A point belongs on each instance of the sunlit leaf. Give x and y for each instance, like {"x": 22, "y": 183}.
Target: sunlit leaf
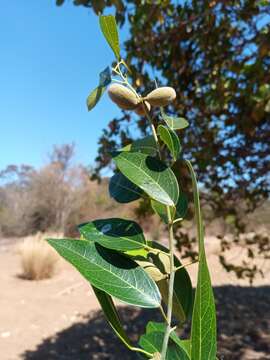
{"x": 160, "y": 210}
{"x": 96, "y": 94}
{"x": 263, "y": 2}
{"x": 152, "y": 342}
{"x": 176, "y": 213}
{"x": 157, "y": 264}
{"x": 114, "y": 233}
{"x": 146, "y": 145}
{"x": 94, "y": 97}
{"x": 174, "y": 122}
{"x": 110, "y": 271}
{"x": 144, "y": 258}
{"x": 109, "y": 29}
{"x": 170, "y": 138}
{"x": 160, "y": 327}
{"x": 186, "y": 345}
{"x": 150, "y": 174}
{"x": 203, "y": 327}
{"x": 183, "y": 293}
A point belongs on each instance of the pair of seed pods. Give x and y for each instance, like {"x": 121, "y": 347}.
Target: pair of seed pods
{"x": 127, "y": 100}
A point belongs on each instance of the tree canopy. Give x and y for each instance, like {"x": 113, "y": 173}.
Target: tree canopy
{"x": 216, "y": 54}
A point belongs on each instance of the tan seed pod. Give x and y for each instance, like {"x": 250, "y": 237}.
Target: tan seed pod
{"x": 140, "y": 109}
{"x": 161, "y": 96}
{"x": 123, "y": 97}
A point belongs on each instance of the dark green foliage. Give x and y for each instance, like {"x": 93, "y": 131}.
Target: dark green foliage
{"x": 111, "y": 314}
{"x": 122, "y": 190}
{"x": 115, "y": 234}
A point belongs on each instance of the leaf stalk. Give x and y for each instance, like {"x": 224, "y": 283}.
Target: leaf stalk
{"x": 171, "y": 285}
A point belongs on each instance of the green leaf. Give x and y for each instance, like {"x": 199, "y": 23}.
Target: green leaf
{"x": 263, "y": 2}
{"x": 111, "y": 315}
{"x": 114, "y": 233}
{"x": 96, "y": 94}
{"x": 105, "y": 77}
{"x": 110, "y": 271}
{"x": 156, "y": 262}
{"x": 176, "y": 213}
{"x": 150, "y": 174}
{"x": 160, "y": 210}
{"x": 183, "y": 293}
{"x": 94, "y": 97}
{"x": 137, "y": 252}
{"x": 144, "y": 258}
{"x": 203, "y": 327}
{"x": 174, "y": 123}
{"x": 186, "y": 345}
{"x": 170, "y": 138}
{"x": 109, "y": 29}
{"x": 146, "y": 145}
{"x": 161, "y": 327}
{"x": 152, "y": 342}
{"x": 122, "y": 190}
{"x": 113, "y": 318}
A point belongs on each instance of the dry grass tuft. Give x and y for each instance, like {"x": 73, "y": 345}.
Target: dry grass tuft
{"x": 38, "y": 259}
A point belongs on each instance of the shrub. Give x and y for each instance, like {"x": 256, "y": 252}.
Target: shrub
{"x": 38, "y": 259}
{"x": 53, "y": 198}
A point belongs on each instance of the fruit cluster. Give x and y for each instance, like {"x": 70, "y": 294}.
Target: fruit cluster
{"x": 126, "y": 99}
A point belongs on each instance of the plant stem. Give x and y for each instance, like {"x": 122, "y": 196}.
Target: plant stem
{"x": 185, "y": 265}
{"x": 149, "y": 355}
{"x": 171, "y": 247}
{"x": 177, "y": 220}
{"x": 171, "y": 285}
{"x": 168, "y": 317}
{"x": 163, "y": 313}
{"x": 117, "y": 70}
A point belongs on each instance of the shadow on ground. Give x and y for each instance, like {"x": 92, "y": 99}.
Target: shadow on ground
{"x": 243, "y": 327}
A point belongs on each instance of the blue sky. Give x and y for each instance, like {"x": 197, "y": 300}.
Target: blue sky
{"x": 50, "y": 60}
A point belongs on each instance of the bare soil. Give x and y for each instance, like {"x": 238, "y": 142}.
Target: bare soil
{"x": 59, "y": 318}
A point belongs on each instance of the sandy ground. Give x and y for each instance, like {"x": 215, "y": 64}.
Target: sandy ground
{"x": 46, "y": 319}
{"x": 33, "y": 310}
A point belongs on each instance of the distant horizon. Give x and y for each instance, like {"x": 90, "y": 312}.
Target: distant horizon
{"x": 50, "y": 61}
